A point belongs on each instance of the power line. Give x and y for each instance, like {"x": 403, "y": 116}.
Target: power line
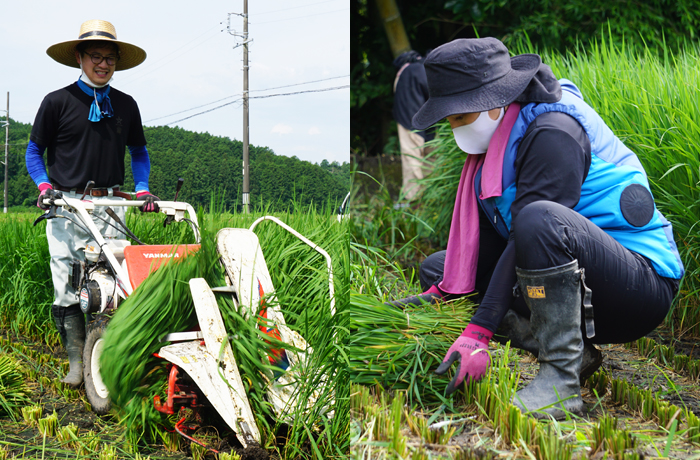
{"x": 238, "y": 95}
{"x": 298, "y": 17}
{"x": 293, "y": 8}
{"x": 299, "y": 84}
{"x": 259, "y": 97}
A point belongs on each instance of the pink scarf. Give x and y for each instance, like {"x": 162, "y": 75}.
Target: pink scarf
{"x": 463, "y": 244}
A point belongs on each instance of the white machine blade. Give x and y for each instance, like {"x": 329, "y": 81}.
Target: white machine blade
{"x": 201, "y": 364}
{"x": 247, "y": 271}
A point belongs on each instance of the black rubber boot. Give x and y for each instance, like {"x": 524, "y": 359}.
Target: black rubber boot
{"x": 516, "y": 328}
{"x": 71, "y": 327}
{"x": 554, "y": 298}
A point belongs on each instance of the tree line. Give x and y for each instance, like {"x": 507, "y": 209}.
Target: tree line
{"x": 208, "y": 164}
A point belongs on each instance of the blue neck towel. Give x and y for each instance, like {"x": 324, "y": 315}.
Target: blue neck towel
{"x": 101, "y": 99}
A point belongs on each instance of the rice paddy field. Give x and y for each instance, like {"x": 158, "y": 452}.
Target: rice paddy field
{"x": 42, "y": 418}
{"x": 644, "y": 402}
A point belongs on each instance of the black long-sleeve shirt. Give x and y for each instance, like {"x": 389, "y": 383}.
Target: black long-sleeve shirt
{"x": 552, "y": 163}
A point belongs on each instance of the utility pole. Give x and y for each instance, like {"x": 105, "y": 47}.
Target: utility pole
{"x": 246, "y": 142}
{"x": 7, "y": 146}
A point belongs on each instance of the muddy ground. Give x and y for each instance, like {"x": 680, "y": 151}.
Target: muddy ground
{"x": 620, "y": 362}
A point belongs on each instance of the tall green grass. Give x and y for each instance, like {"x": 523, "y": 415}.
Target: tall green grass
{"x": 26, "y": 291}
{"x": 400, "y": 348}
{"x": 299, "y": 275}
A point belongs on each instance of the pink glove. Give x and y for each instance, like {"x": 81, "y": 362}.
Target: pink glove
{"x": 470, "y": 350}
{"x": 150, "y": 204}
{"x": 43, "y": 187}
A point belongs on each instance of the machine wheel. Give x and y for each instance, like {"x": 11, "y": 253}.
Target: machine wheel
{"x": 95, "y": 390}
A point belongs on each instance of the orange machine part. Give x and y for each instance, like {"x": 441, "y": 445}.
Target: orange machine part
{"x": 144, "y": 260}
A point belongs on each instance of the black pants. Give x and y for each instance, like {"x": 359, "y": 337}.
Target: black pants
{"x": 629, "y": 298}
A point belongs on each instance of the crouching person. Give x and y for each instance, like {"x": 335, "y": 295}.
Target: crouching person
{"x": 554, "y": 224}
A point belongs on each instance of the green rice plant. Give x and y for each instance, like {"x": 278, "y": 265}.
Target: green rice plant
{"x": 693, "y": 369}
{"x": 680, "y": 362}
{"x": 198, "y": 452}
{"x": 25, "y": 294}
{"x": 88, "y": 443}
{"x": 31, "y": 414}
{"x": 68, "y": 435}
{"x": 48, "y": 426}
{"x": 693, "y": 423}
{"x": 400, "y": 348}
{"x": 550, "y": 445}
{"x": 420, "y": 454}
{"x": 516, "y": 427}
{"x": 228, "y": 456}
{"x": 605, "y": 435}
{"x": 619, "y": 391}
{"x": 645, "y": 346}
{"x": 13, "y": 389}
{"x": 666, "y": 413}
{"x": 360, "y": 398}
{"x": 4, "y": 453}
{"x": 398, "y": 441}
{"x": 598, "y": 383}
{"x": 420, "y": 427}
{"x": 171, "y": 441}
{"x": 108, "y": 452}
{"x": 468, "y": 453}
{"x": 640, "y": 401}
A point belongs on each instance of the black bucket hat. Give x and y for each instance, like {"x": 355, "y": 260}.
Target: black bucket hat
{"x": 473, "y": 75}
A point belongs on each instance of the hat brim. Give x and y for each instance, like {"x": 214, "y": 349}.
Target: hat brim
{"x": 496, "y": 94}
{"x": 64, "y": 53}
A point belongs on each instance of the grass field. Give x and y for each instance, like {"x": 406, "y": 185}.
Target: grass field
{"x": 43, "y": 418}
{"x": 644, "y": 401}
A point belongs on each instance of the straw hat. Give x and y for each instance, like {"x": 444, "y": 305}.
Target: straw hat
{"x": 96, "y": 29}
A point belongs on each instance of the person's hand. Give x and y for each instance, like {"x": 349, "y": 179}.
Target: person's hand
{"x": 432, "y": 295}
{"x": 43, "y": 194}
{"x": 415, "y": 300}
{"x": 470, "y": 351}
{"x": 150, "y": 204}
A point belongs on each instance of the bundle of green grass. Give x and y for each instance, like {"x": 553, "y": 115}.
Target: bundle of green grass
{"x": 401, "y": 348}
{"x": 14, "y": 392}
{"x": 163, "y": 304}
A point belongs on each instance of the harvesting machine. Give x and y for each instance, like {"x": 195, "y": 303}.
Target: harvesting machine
{"x": 202, "y": 370}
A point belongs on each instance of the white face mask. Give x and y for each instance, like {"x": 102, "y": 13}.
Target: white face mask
{"x": 474, "y": 138}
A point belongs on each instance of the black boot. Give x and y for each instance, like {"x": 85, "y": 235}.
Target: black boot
{"x": 70, "y": 322}
{"x": 554, "y": 298}
{"x": 516, "y": 328}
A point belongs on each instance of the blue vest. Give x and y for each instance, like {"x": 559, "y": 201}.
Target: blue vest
{"x": 613, "y": 168}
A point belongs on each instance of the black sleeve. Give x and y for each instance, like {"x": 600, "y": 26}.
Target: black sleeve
{"x": 44, "y": 127}
{"x": 136, "y": 136}
{"x": 552, "y": 163}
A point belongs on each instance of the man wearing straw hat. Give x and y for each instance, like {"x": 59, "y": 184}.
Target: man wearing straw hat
{"x": 85, "y": 128}
{"x": 554, "y": 224}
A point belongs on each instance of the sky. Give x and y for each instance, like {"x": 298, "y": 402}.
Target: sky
{"x": 194, "y": 66}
